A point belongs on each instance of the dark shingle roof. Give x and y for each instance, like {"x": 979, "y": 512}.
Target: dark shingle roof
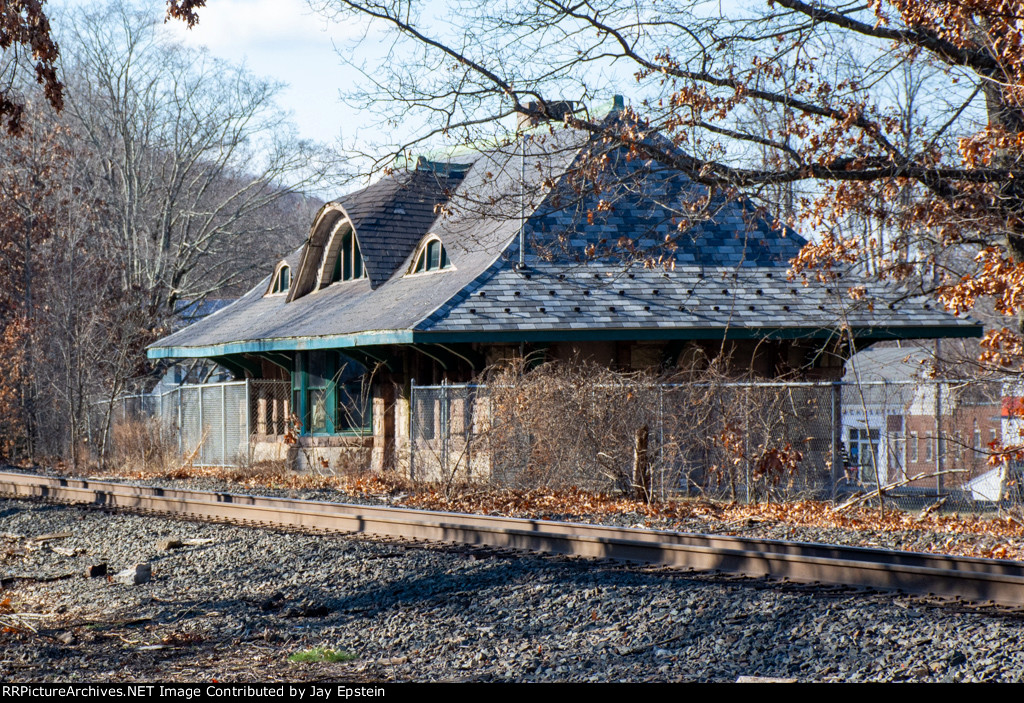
{"x": 392, "y": 216}
{"x": 643, "y": 209}
{"x": 725, "y": 274}
{"x": 688, "y": 298}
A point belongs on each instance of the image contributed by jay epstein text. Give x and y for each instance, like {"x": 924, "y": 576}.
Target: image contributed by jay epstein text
{"x": 189, "y": 692}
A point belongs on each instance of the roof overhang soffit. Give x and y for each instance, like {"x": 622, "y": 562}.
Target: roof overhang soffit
{"x": 862, "y": 337}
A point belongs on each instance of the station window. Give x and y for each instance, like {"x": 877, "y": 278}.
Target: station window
{"x": 433, "y": 257}
{"x": 282, "y": 280}
{"x": 349, "y": 263}
{"x": 331, "y": 393}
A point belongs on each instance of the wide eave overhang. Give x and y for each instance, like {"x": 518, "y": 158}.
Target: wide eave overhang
{"x": 406, "y": 337}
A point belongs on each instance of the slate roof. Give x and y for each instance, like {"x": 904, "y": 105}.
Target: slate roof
{"x": 691, "y": 299}
{"x": 724, "y": 273}
{"x": 392, "y": 215}
{"x": 647, "y": 204}
{"x": 884, "y": 377}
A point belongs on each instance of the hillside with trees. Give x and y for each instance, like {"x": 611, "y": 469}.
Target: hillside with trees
{"x": 167, "y": 177}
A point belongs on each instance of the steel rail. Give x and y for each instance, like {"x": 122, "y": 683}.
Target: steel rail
{"x": 569, "y": 528}
{"x": 969, "y": 578}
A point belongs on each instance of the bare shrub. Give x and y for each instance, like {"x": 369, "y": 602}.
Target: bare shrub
{"x": 750, "y": 441}
{"x": 647, "y": 435}
{"x": 143, "y": 445}
{"x": 561, "y": 425}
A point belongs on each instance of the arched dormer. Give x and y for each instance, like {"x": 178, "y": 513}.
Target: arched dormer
{"x": 320, "y": 251}
{"x": 431, "y": 256}
{"x": 281, "y": 280}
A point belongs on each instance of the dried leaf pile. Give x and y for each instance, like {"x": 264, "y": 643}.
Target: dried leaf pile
{"x": 953, "y": 534}
{"x": 1000, "y": 537}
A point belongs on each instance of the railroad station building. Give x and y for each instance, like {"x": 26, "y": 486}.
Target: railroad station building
{"x": 448, "y": 265}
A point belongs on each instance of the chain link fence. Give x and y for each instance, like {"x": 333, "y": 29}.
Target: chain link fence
{"x": 449, "y": 427}
{"x": 919, "y": 442}
{"x": 214, "y": 424}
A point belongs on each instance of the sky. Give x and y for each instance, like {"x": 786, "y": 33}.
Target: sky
{"x": 288, "y": 42}
{"x": 285, "y": 41}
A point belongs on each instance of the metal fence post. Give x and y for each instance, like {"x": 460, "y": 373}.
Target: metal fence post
{"x": 837, "y": 436}
{"x": 444, "y": 427}
{"x": 746, "y": 444}
{"x": 248, "y": 421}
{"x": 412, "y": 425}
{"x": 202, "y": 425}
{"x": 468, "y": 404}
{"x": 223, "y": 425}
{"x": 181, "y": 428}
{"x": 661, "y": 439}
{"x": 939, "y": 444}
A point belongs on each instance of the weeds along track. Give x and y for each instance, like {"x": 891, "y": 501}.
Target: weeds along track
{"x": 967, "y": 578}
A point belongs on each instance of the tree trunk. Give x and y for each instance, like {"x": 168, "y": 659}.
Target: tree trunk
{"x": 641, "y": 465}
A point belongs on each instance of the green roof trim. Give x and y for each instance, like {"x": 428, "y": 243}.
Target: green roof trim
{"x": 341, "y": 341}
{"x": 400, "y": 337}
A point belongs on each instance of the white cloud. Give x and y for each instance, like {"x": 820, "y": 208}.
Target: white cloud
{"x": 242, "y": 26}
{"x": 288, "y": 42}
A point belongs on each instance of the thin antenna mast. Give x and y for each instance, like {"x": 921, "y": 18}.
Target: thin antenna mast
{"x": 522, "y": 204}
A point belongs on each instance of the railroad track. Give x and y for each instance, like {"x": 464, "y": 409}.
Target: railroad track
{"x": 972, "y": 579}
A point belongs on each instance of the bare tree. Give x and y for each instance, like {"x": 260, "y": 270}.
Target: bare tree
{"x": 195, "y": 160}
{"x": 32, "y": 172}
{"x": 169, "y": 177}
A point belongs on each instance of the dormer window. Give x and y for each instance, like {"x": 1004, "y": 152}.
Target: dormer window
{"x": 348, "y": 265}
{"x": 432, "y": 257}
{"x": 282, "y": 279}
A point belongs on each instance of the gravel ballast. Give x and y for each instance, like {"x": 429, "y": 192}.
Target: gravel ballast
{"x": 233, "y": 603}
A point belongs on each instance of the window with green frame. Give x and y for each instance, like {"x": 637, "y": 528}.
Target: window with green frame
{"x": 331, "y": 394}
{"x": 282, "y": 281}
{"x": 433, "y": 257}
{"x": 349, "y": 263}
